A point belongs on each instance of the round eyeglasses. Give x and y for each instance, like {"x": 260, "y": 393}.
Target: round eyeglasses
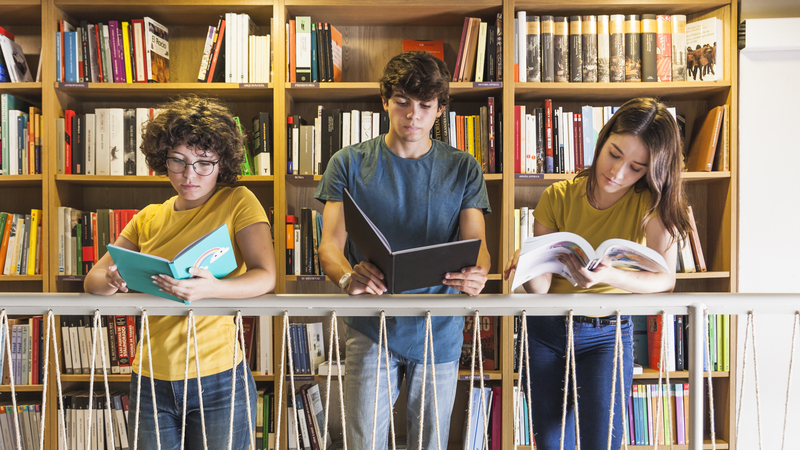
{"x": 202, "y": 168}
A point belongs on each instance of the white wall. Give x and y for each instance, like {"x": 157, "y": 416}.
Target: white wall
{"x": 769, "y": 219}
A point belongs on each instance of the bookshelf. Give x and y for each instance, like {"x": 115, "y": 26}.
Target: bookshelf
{"x": 372, "y": 31}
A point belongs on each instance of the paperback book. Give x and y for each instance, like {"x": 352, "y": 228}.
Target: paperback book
{"x": 539, "y": 255}
{"x": 212, "y": 252}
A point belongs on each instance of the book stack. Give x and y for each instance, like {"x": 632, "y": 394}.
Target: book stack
{"x": 486, "y": 404}
{"x": 119, "y": 339}
{"x": 617, "y": 48}
{"x": 29, "y": 417}
{"x": 265, "y": 420}
{"x": 314, "y": 51}
{"x": 522, "y": 431}
{"x": 303, "y": 235}
{"x": 690, "y": 251}
{"x": 13, "y": 65}
{"x": 480, "y": 134}
{"x": 84, "y": 235}
{"x": 233, "y": 53}
{"x": 27, "y": 352}
{"x": 305, "y": 410}
{"x": 21, "y": 138}
{"x": 643, "y": 415}
{"x": 20, "y": 247}
{"x": 647, "y": 342}
{"x": 479, "y": 56}
{"x": 103, "y": 429}
{"x": 135, "y": 51}
{"x": 308, "y": 349}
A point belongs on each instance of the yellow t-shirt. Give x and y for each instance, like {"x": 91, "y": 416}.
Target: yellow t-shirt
{"x": 160, "y": 230}
{"x": 565, "y": 207}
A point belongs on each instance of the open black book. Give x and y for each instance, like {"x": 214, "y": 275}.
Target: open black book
{"x": 408, "y": 269}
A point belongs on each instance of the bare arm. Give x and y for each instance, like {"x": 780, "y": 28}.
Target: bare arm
{"x": 471, "y": 280}
{"x": 103, "y": 278}
{"x": 255, "y": 243}
{"x": 540, "y": 284}
{"x": 365, "y": 278}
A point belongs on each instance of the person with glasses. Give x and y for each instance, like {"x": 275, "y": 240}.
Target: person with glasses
{"x": 196, "y": 143}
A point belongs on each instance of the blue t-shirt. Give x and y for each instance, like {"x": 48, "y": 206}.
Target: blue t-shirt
{"x": 414, "y": 202}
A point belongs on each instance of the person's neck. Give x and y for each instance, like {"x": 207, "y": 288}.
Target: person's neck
{"x": 604, "y": 200}
{"x": 407, "y": 150}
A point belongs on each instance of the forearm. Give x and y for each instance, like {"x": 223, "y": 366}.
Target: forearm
{"x": 538, "y": 285}
{"x": 254, "y": 282}
{"x": 97, "y": 283}
{"x": 639, "y": 282}
{"x": 333, "y": 262}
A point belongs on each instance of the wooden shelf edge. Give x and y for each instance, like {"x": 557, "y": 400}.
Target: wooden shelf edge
{"x": 21, "y": 277}
{"x": 22, "y": 388}
{"x": 703, "y": 275}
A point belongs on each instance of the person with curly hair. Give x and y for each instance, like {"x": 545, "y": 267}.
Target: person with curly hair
{"x": 196, "y": 143}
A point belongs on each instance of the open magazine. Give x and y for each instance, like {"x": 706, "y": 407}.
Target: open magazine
{"x": 213, "y": 252}
{"x": 539, "y": 255}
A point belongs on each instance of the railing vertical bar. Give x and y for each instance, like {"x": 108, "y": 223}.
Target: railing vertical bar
{"x": 696, "y": 352}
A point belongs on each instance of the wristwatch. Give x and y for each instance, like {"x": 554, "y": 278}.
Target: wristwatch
{"x": 344, "y": 282}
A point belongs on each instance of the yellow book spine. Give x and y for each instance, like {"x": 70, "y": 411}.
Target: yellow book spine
{"x": 36, "y": 219}
{"x": 127, "y": 51}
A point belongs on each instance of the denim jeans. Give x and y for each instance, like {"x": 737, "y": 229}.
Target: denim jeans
{"x": 359, "y": 391}
{"x": 216, "y": 409}
{"x": 594, "y": 362}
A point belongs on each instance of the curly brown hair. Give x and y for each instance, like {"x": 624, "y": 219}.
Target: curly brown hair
{"x": 203, "y": 125}
{"x": 417, "y": 75}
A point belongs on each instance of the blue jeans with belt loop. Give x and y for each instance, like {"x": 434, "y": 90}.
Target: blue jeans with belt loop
{"x": 594, "y": 363}
{"x": 216, "y": 411}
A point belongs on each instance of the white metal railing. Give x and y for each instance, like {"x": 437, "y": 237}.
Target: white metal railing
{"x": 694, "y": 305}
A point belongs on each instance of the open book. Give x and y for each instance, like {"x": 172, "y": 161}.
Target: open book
{"x": 539, "y": 256}
{"x": 213, "y": 252}
{"x": 408, "y": 269}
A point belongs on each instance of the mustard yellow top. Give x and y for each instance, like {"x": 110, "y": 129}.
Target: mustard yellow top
{"x": 160, "y": 230}
{"x": 565, "y": 207}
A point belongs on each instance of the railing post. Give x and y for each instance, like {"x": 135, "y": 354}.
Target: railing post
{"x": 696, "y": 355}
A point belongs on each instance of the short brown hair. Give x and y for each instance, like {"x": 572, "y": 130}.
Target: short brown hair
{"x": 417, "y": 75}
{"x": 203, "y": 125}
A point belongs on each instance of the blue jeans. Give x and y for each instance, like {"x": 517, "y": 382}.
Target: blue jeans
{"x": 359, "y": 391}
{"x": 216, "y": 410}
{"x": 594, "y": 361}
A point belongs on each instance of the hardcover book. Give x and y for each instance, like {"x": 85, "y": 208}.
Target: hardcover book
{"x": 561, "y": 49}
{"x": 408, "y": 269}
{"x": 704, "y": 45}
{"x": 616, "y": 45}
{"x": 701, "y": 151}
{"x": 212, "y": 252}
{"x": 539, "y": 255}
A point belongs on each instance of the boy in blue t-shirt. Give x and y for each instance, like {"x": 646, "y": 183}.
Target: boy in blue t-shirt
{"x": 418, "y": 192}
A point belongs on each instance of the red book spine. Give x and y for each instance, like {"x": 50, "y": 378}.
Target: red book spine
{"x": 548, "y": 135}
{"x": 99, "y": 35}
{"x": 220, "y": 36}
{"x": 459, "y": 55}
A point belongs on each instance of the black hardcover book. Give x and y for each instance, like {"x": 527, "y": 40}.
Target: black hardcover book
{"x": 331, "y": 135}
{"x": 262, "y": 144}
{"x": 679, "y": 358}
{"x": 219, "y": 70}
{"x": 575, "y": 49}
{"x": 78, "y": 144}
{"x": 648, "y": 41}
{"x": 633, "y": 52}
{"x": 556, "y": 146}
{"x": 540, "y": 144}
{"x": 533, "y": 50}
{"x": 408, "y": 269}
{"x": 129, "y": 144}
{"x": 87, "y": 241}
{"x": 589, "y": 46}
{"x": 546, "y": 39}
{"x": 616, "y": 48}
{"x": 384, "y": 122}
{"x": 85, "y": 75}
{"x": 326, "y": 44}
{"x": 306, "y": 242}
{"x": 490, "y": 68}
{"x": 561, "y": 49}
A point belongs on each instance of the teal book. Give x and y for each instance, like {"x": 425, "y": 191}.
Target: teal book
{"x": 213, "y": 252}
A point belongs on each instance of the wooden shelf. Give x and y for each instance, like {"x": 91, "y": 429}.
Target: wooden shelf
{"x": 155, "y": 92}
{"x": 618, "y": 92}
{"x": 22, "y": 388}
{"x": 557, "y": 7}
{"x": 126, "y": 378}
{"x": 21, "y": 277}
{"x": 546, "y": 179}
{"x": 200, "y": 12}
{"x": 134, "y": 181}
{"x": 10, "y": 181}
{"x": 703, "y": 275}
{"x": 394, "y": 12}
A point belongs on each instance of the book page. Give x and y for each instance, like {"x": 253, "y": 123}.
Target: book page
{"x": 630, "y": 255}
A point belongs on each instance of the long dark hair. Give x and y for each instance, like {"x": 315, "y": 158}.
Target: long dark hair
{"x": 650, "y": 121}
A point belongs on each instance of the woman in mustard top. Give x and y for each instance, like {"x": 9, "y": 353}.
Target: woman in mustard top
{"x": 197, "y": 144}
{"x": 633, "y": 191}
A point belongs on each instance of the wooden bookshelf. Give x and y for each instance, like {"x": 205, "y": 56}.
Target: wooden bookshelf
{"x": 372, "y": 30}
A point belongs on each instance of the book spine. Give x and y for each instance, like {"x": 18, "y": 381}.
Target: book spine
{"x": 122, "y": 344}
{"x": 664, "y": 48}
{"x": 575, "y": 49}
{"x": 533, "y": 58}
{"x": 603, "y": 48}
{"x": 649, "y": 28}
{"x": 589, "y": 46}
{"x": 207, "y": 54}
{"x": 678, "y": 47}
{"x": 633, "y": 52}
{"x": 561, "y": 49}
{"x": 616, "y": 52}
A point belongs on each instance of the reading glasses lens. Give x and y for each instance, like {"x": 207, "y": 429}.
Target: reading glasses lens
{"x": 202, "y": 168}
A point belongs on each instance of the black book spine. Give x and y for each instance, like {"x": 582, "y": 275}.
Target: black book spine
{"x": 129, "y": 144}
{"x": 546, "y": 38}
{"x": 77, "y": 145}
{"x": 306, "y": 242}
{"x": 561, "y": 49}
{"x": 633, "y": 53}
{"x": 533, "y": 53}
{"x": 86, "y": 74}
{"x": 575, "y": 49}
{"x": 540, "y": 151}
{"x": 649, "y": 29}
{"x": 490, "y": 68}
{"x": 679, "y": 337}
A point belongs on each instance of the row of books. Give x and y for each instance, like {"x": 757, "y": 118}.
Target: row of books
{"x": 647, "y": 342}
{"x": 234, "y": 54}
{"x": 643, "y": 415}
{"x": 27, "y": 352}
{"x": 29, "y": 418}
{"x": 617, "y": 48}
{"x": 119, "y": 338}
{"x": 314, "y": 51}
{"x": 21, "y": 248}
{"x": 480, "y": 51}
{"x": 488, "y": 329}
{"x": 107, "y": 142}
{"x": 13, "y": 66}
{"x": 135, "y": 51}
{"x": 21, "y": 136}
{"x": 265, "y": 420}
{"x": 84, "y": 235}
{"x": 303, "y": 235}
{"x": 308, "y": 347}
{"x": 479, "y": 430}
{"x": 480, "y": 135}
{"x": 102, "y": 429}
{"x": 690, "y": 252}
{"x": 522, "y": 422}
{"x": 310, "y": 147}
{"x": 307, "y": 415}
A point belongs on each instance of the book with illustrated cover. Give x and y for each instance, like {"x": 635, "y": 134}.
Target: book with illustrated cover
{"x": 704, "y": 50}
{"x": 157, "y": 47}
{"x": 408, "y": 269}
{"x": 539, "y": 256}
{"x": 212, "y": 252}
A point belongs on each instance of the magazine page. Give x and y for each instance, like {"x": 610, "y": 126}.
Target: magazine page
{"x": 630, "y": 255}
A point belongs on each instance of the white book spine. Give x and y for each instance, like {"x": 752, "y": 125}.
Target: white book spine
{"x": 317, "y": 145}
{"x": 345, "y": 129}
{"x": 116, "y": 141}
{"x": 142, "y": 116}
{"x": 481, "y": 53}
{"x": 355, "y": 127}
{"x": 530, "y": 143}
{"x": 102, "y": 158}
{"x": 522, "y": 39}
{"x": 366, "y": 126}
{"x": 376, "y": 124}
